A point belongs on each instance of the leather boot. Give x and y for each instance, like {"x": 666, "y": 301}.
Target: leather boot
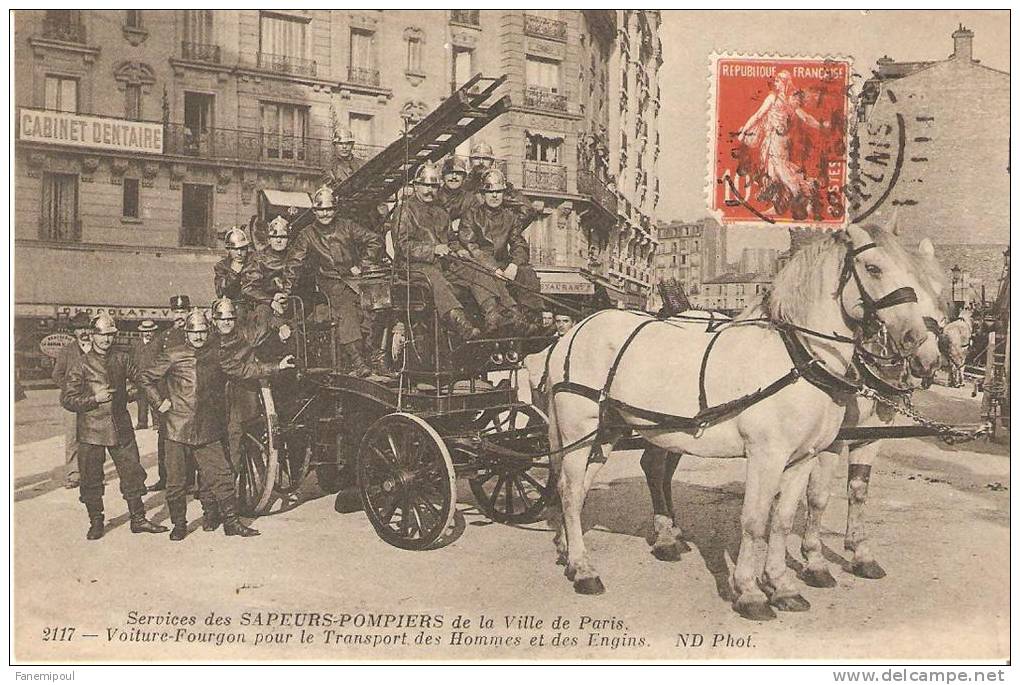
{"x": 377, "y": 362}
{"x": 460, "y": 325}
{"x": 140, "y": 524}
{"x": 356, "y": 363}
{"x": 179, "y": 517}
{"x": 495, "y": 317}
{"x": 233, "y": 526}
{"x": 97, "y": 524}
{"x": 210, "y": 516}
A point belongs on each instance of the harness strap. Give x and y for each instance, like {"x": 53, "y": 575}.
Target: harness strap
{"x": 876, "y": 382}
{"x": 813, "y": 370}
{"x": 619, "y": 355}
{"x": 702, "y": 394}
{"x": 570, "y": 345}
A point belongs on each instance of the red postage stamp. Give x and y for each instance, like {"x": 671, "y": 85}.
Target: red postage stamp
{"x": 779, "y": 140}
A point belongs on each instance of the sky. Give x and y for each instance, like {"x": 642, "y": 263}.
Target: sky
{"x": 689, "y": 37}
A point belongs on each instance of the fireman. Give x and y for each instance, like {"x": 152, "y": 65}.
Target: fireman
{"x": 493, "y": 234}
{"x": 186, "y": 385}
{"x": 227, "y": 272}
{"x": 341, "y": 247}
{"x": 96, "y": 389}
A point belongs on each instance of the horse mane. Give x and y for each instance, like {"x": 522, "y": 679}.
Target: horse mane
{"x": 809, "y": 276}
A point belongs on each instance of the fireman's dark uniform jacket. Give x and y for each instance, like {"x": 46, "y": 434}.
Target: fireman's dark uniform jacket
{"x": 342, "y": 169}
{"x": 226, "y": 280}
{"x": 347, "y": 243}
{"x": 496, "y": 234}
{"x": 263, "y": 275}
{"x": 109, "y": 423}
{"x": 237, "y": 353}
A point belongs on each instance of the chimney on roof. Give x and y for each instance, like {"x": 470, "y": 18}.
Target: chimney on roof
{"x": 963, "y": 44}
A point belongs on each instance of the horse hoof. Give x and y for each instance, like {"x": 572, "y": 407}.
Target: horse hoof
{"x": 570, "y": 572}
{"x": 670, "y": 552}
{"x": 755, "y": 611}
{"x": 791, "y": 603}
{"x": 818, "y": 577}
{"x": 868, "y": 569}
{"x": 589, "y": 586}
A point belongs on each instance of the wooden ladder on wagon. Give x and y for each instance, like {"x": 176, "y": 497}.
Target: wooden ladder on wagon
{"x": 472, "y": 107}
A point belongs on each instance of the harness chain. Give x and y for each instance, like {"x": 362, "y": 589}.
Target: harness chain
{"x": 946, "y": 433}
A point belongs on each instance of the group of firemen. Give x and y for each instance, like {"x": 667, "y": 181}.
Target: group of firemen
{"x": 462, "y": 228}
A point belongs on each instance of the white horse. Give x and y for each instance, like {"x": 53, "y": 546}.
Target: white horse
{"x": 672, "y": 370}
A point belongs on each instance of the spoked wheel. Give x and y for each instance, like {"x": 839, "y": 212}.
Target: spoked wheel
{"x": 514, "y": 489}
{"x": 407, "y": 481}
{"x": 259, "y": 459}
{"x": 294, "y": 456}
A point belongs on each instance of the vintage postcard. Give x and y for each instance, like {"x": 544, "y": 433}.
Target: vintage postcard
{"x": 357, "y": 335}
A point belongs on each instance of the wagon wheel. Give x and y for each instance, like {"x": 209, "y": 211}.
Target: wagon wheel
{"x": 295, "y": 453}
{"x": 512, "y": 490}
{"x": 258, "y": 461}
{"x": 407, "y": 481}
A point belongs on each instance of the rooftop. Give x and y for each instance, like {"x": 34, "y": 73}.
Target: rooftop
{"x": 739, "y": 278}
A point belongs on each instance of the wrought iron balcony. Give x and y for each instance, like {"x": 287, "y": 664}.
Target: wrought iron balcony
{"x": 545, "y": 176}
{"x": 469, "y": 17}
{"x": 591, "y": 185}
{"x": 286, "y": 64}
{"x": 363, "y": 75}
{"x": 200, "y": 52}
{"x": 544, "y": 98}
{"x": 67, "y": 29}
{"x": 59, "y": 230}
{"x": 543, "y": 27}
{"x": 247, "y": 146}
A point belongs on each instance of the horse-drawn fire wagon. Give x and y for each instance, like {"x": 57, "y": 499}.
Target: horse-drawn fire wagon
{"x": 404, "y": 442}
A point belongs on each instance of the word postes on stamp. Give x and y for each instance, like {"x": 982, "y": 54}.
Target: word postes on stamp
{"x": 779, "y": 140}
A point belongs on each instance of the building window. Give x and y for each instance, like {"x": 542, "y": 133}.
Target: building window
{"x": 133, "y": 19}
{"x": 130, "y": 204}
{"x": 469, "y": 17}
{"x": 197, "y": 41}
{"x": 59, "y": 216}
{"x": 542, "y": 149}
{"x": 543, "y": 73}
{"x": 133, "y": 101}
{"x": 414, "y": 42}
{"x": 362, "y": 62}
{"x": 463, "y": 67}
{"x": 282, "y": 36}
{"x": 361, "y": 126}
{"x": 64, "y": 25}
{"x": 284, "y": 131}
{"x": 61, "y": 94}
{"x": 196, "y": 215}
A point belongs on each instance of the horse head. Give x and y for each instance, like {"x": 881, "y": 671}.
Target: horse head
{"x": 882, "y": 283}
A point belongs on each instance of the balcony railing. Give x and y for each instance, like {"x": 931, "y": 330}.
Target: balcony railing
{"x": 248, "y": 146}
{"x": 200, "y": 52}
{"x": 363, "y": 75}
{"x": 67, "y": 30}
{"x": 286, "y": 64}
{"x": 544, "y": 98}
{"x": 60, "y": 230}
{"x": 543, "y": 27}
{"x": 469, "y": 17}
{"x": 591, "y": 185}
{"x": 545, "y": 176}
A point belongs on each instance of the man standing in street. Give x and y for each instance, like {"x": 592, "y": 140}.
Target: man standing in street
{"x": 71, "y": 352}
{"x": 143, "y": 352}
{"x": 172, "y": 337}
{"x": 186, "y": 385}
{"x": 96, "y": 390}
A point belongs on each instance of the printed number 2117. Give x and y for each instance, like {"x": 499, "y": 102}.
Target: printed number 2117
{"x": 63, "y": 634}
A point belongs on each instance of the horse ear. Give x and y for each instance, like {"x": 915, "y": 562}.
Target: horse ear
{"x": 925, "y": 248}
{"x": 893, "y": 225}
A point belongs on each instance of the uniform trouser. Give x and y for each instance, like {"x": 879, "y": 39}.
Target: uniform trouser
{"x": 142, "y": 405}
{"x": 214, "y": 471}
{"x": 161, "y": 441}
{"x": 346, "y": 310}
{"x": 129, "y": 469}
{"x": 482, "y": 286}
{"x": 71, "y": 448}
{"x": 525, "y": 288}
{"x": 242, "y": 405}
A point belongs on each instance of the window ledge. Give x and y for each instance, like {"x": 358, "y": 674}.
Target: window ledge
{"x": 130, "y": 220}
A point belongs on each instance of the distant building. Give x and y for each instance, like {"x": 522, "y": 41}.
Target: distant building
{"x": 758, "y": 260}
{"x": 955, "y": 114}
{"x": 690, "y": 252}
{"x": 732, "y": 292}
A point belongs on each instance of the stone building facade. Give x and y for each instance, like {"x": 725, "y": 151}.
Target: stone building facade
{"x": 691, "y": 252}
{"x": 955, "y": 118}
{"x": 731, "y": 292}
{"x": 241, "y": 100}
